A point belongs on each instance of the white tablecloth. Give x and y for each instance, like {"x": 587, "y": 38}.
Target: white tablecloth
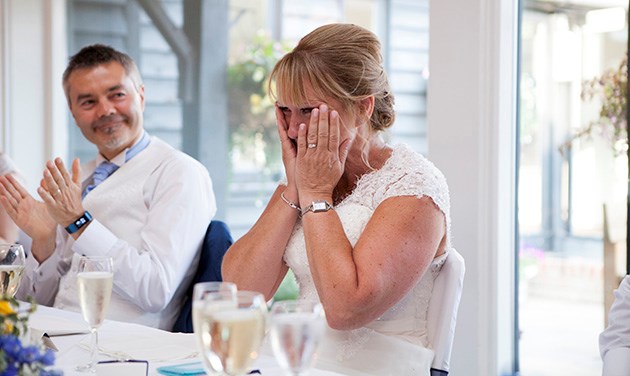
{"x": 124, "y": 340}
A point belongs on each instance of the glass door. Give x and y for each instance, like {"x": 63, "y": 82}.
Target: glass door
{"x": 572, "y": 181}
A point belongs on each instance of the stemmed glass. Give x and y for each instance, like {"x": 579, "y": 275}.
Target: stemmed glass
{"x": 11, "y": 268}
{"x": 209, "y": 296}
{"x": 296, "y": 329}
{"x": 233, "y": 333}
{"x": 95, "y": 280}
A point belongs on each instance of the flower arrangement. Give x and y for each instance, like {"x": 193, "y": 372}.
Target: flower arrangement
{"x": 17, "y": 357}
{"x": 611, "y": 89}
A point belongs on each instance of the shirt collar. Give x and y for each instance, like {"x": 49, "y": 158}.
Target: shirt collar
{"x": 128, "y": 153}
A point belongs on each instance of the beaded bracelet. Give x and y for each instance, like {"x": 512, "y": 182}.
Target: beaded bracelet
{"x": 291, "y": 204}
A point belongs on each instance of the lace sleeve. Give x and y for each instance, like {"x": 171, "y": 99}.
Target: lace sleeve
{"x": 426, "y": 180}
{"x": 417, "y": 176}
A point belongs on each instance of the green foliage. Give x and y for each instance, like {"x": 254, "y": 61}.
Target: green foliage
{"x": 252, "y": 122}
{"x": 288, "y": 289}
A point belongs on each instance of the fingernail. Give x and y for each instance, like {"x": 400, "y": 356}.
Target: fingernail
{"x": 323, "y": 107}
{"x": 302, "y": 126}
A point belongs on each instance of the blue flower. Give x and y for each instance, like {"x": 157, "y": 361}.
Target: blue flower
{"x": 17, "y": 358}
{"x": 47, "y": 358}
{"x": 11, "y": 346}
{"x": 11, "y": 370}
{"x": 28, "y": 355}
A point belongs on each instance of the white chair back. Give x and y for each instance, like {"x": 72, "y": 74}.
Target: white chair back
{"x": 442, "y": 314}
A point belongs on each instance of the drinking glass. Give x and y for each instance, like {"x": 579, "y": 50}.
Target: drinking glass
{"x": 214, "y": 296}
{"x": 232, "y": 331}
{"x": 297, "y": 327}
{"x": 11, "y": 268}
{"x": 95, "y": 280}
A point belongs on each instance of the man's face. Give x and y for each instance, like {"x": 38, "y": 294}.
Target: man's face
{"x": 107, "y": 107}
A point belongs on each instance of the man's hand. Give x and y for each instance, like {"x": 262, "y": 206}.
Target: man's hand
{"x": 61, "y": 192}
{"x": 30, "y": 215}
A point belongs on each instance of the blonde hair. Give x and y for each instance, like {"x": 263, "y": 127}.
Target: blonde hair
{"x": 339, "y": 61}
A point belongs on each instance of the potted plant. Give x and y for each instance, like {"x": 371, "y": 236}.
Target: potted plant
{"x": 611, "y": 126}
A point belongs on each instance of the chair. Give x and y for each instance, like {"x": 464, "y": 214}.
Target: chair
{"x": 442, "y": 314}
{"x": 215, "y": 243}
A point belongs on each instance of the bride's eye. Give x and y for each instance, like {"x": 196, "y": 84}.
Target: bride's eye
{"x": 306, "y": 111}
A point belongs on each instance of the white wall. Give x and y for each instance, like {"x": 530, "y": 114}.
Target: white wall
{"x": 471, "y": 139}
{"x": 33, "y": 58}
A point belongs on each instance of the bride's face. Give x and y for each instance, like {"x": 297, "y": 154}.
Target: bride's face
{"x": 295, "y": 114}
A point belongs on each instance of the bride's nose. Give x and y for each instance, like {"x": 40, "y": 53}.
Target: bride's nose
{"x": 294, "y": 125}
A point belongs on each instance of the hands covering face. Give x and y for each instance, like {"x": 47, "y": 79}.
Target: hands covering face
{"x": 315, "y": 162}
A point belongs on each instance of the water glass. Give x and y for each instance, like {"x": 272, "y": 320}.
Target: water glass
{"x": 297, "y": 327}
{"x": 95, "y": 280}
{"x": 12, "y": 261}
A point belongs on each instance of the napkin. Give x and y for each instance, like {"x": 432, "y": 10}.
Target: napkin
{"x": 139, "y": 342}
{"x": 55, "y": 326}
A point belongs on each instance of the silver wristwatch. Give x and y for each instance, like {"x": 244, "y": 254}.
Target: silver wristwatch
{"x": 317, "y": 207}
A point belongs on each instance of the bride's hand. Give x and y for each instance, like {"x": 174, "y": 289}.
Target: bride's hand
{"x": 320, "y": 156}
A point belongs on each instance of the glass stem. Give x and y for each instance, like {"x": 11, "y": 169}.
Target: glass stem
{"x": 94, "y": 347}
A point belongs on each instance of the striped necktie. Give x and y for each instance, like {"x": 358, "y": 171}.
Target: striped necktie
{"x": 101, "y": 173}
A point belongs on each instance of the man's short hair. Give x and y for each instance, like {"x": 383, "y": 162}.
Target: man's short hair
{"x": 99, "y": 54}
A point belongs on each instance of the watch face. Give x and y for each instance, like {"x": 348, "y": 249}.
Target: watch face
{"x": 319, "y": 206}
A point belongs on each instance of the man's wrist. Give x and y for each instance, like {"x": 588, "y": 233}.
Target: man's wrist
{"x": 78, "y": 223}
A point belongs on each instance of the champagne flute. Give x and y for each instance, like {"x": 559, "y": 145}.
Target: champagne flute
{"x": 297, "y": 327}
{"x": 11, "y": 268}
{"x": 95, "y": 280}
{"x": 232, "y": 336}
{"x": 209, "y": 296}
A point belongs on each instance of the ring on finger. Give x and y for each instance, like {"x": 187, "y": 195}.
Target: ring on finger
{"x": 311, "y": 146}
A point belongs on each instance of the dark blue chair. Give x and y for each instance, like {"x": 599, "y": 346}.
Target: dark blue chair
{"x": 216, "y": 242}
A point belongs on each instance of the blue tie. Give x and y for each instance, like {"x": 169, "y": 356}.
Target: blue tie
{"x": 101, "y": 173}
{"x": 106, "y": 168}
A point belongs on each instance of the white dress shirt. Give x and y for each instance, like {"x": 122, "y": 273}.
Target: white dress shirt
{"x": 150, "y": 216}
{"x": 614, "y": 342}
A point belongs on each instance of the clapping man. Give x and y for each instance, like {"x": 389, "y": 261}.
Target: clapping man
{"x": 140, "y": 201}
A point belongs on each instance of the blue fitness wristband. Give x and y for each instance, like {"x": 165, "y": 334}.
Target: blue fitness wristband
{"x": 79, "y": 222}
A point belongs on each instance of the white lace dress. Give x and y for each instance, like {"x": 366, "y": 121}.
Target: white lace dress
{"x": 395, "y": 343}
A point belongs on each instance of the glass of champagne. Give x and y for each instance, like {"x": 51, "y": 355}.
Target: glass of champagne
{"x": 11, "y": 268}
{"x": 297, "y": 327}
{"x": 95, "y": 281}
{"x": 210, "y": 296}
{"x": 232, "y": 335}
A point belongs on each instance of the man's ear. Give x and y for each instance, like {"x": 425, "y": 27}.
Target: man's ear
{"x": 141, "y": 92}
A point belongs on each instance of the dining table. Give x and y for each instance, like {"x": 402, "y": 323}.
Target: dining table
{"x": 126, "y": 348}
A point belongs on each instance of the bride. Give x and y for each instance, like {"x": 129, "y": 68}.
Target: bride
{"x": 363, "y": 225}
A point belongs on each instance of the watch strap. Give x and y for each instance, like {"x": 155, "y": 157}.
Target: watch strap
{"x": 79, "y": 222}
